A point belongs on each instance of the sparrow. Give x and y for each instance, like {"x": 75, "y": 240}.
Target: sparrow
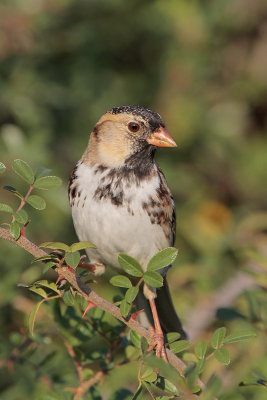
{"x": 121, "y": 202}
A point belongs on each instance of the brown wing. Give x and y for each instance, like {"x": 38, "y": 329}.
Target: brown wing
{"x": 168, "y": 216}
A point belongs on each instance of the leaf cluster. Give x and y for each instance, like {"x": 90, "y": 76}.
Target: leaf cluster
{"x": 37, "y": 180}
{"x": 150, "y": 276}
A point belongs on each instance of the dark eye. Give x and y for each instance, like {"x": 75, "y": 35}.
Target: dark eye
{"x": 133, "y": 127}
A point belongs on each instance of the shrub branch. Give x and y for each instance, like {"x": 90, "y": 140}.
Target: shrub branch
{"x": 93, "y": 297}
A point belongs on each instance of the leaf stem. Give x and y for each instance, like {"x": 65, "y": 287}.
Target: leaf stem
{"x": 23, "y": 201}
{"x": 212, "y": 353}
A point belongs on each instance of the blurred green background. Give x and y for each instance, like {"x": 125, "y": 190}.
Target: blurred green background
{"x": 203, "y": 66}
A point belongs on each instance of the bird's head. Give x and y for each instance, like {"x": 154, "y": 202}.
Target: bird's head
{"x": 125, "y": 132}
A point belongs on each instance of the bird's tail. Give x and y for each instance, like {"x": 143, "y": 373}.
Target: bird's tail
{"x": 169, "y": 320}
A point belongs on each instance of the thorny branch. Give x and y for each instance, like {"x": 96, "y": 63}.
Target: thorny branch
{"x": 93, "y": 297}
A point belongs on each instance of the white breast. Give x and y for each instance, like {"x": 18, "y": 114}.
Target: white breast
{"x": 124, "y": 228}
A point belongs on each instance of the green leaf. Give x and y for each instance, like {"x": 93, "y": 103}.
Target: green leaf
{"x": 167, "y": 370}
{"x": 2, "y": 168}
{"x": 172, "y": 336}
{"x": 49, "y": 285}
{"x": 135, "y": 339}
{"x": 14, "y": 230}
{"x": 153, "y": 279}
{"x": 23, "y": 169}
{"x": 80, "y": 246}
{"x": 131, "y": 294}
{"x": 68, "y": 298}
{"x": 125, "y": 308}
{"x": 217, "y": 337}
{"x": 237, "y": 336}
{"x": 167, "y": 386}
{"x": 144, "y": 345}
{"x": 38, "y": 290}
{"x": 132, "y": 353}
{"x": 121, "y": 281}
{"x": 130, "y": 265}
{"x": 228, "y": 314}
{"x": 32, "y": 317}
{"x": 200, "y": 365}
{"x": 162, "y": 259}
{"x": 6, "y": 208}
{"x": 21, "y": 216}
{"x": 164, "y": 397}
{"x": 72, "y": 259}
{"x": 139, "y": 394}
{"x": 178, "y": 347}
{"x": 55, "y": 246}
{"x": 45, "y": 258}
{"x": 14, "y": 191}
{"x": 48, "y": 265}
{"x": 150, "y": 378}
{"x": 119, "y": 394}
{"x": 41, "y": 171}
{"x": 36, "y": 202}
{"x": 222, "y": 356}
{"x": 146, "y": 373}
{"x": 200, "y": 349}
{"x": 48, "y": 182}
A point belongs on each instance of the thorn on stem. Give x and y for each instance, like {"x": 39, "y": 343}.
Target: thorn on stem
{"x": 88, "y": 307}
{"x": 22, "y": 231}
{"x": 60, "y": 277}
{"x": 134, "y": 315}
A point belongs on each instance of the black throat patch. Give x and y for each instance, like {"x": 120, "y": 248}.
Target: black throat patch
{"x": 115, "y": 181}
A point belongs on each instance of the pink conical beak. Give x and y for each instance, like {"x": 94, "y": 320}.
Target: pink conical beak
{"x": 161, "y": 138}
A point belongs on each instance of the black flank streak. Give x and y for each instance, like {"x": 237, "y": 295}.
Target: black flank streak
{"x": 117, "y": 200}
{"x": 100, "y": 169}
{"x": 145, "y": 206}
{"x": 73, "y": 192}
{"x": 72, "y": 179}
{"x": 130, "y": 211}
{"x": 154, "y": 208}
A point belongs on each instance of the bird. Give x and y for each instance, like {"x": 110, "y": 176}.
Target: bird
{"x": 121, "y": 202}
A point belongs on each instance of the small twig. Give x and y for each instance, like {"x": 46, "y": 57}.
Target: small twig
{"x": 86, "y": 385}
{"x": 77, "y": 364}
{"x": 23, "y": 201}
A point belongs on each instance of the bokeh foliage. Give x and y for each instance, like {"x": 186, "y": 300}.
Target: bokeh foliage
{"x": 202, "y": 66}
